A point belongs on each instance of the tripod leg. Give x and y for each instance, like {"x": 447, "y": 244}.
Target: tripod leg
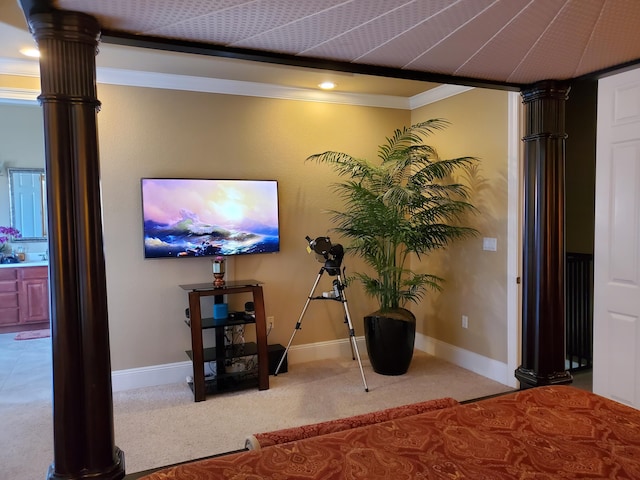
{"x": 299, "y": 322}
{"x": 340, "y": 289}
{"x": 352, "y": 334}
{"x": 353, "y": 353}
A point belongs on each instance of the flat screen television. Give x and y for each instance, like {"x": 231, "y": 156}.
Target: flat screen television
{"x": 208, "y": 217}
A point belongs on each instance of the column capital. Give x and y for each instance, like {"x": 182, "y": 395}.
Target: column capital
{"x": 545, "y": 110}
{"x": 547, "y": 89}
{"x": 68, "y": 44}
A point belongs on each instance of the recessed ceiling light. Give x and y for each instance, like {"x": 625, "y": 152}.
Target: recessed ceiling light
{"x": 327, "y": 85}
{"x": 30, "y": 52}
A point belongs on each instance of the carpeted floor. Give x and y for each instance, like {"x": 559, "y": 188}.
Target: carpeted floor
{"x": 159, "y": 426}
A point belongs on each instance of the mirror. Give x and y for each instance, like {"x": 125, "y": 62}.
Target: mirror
{"x": 27, "y": 198}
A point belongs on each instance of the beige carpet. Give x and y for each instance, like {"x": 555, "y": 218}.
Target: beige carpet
{"x": 158, "y": 426}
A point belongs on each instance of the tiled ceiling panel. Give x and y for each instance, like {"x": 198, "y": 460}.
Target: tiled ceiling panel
{"x": 511, "y": 41}
{"x": 415, "y": 41}
{"x": 238, "y": 25}
{"x": 146, "y": 16}
{"x": 303, "y": 32}
{"x": 355, "y": 44}
{"x": 615, "y": 35}
{"x": 562, "y": 43}
{"x": 452, "y": 54}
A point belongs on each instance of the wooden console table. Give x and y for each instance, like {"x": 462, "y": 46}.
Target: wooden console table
{"x": 199, "y": 355}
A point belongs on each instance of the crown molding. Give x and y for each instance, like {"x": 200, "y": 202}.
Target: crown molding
{"x": 436, "y": 94}
{"x": 19, "y": 95}
{"x": 22, "y": 68}
{"x": 134, "y": 78}
{"x": 236, "y": 87}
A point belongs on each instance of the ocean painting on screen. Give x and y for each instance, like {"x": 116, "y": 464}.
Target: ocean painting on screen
{"x": 202, "y": 217}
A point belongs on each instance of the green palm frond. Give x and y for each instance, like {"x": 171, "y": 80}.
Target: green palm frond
{"x": 405, "y": 203}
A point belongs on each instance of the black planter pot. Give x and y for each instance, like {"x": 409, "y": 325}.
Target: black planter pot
{"x": 390, "y": 338}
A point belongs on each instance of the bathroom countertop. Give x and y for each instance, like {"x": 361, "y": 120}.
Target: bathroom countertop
{"x": 41, "y": 263}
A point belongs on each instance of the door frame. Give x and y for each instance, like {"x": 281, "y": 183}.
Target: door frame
{"x": 514, "y": 235}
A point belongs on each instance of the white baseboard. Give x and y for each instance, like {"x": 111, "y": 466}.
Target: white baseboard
{"x": 177, "y": 372}
{"x": 152, "y": 376}
{"x": 324, "y": 350}
{"x": 487, "y": 367}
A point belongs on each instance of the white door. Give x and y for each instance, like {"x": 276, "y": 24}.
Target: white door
{"x": 616, "y": 347}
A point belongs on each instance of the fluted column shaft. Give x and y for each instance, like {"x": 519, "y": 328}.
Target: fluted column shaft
{"x": 543, "y": 295}
{"x": 82, "y": 398}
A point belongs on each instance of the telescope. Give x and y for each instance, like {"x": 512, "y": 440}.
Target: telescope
{"x": 327, "y": 253}
{"x": 331, "y": 256}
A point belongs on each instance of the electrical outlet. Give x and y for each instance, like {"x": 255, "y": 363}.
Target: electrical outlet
{"x": 465, "y": 321}
{"x": 271, "y": 323}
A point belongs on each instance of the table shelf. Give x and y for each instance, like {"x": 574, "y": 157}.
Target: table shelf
{"x": 211, "y": 354}
{"x": 225, "y": 322}
{"x": 229, "y": 382}
{"x": 199, "y": 355}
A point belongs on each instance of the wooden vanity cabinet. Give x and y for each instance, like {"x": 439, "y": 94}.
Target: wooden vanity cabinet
{"x": 24, "y": 298}
{"x": 9, "y": 309}
{"x": 33, "y": 292}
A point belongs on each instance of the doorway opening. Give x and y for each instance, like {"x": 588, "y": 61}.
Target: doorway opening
{"x": 580, "y": 154}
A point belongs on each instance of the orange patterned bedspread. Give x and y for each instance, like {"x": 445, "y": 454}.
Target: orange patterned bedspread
{"x": 539, "y": 434}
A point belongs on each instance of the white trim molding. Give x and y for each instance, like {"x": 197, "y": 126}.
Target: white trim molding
{"x": 136, "y": 78}
{"x": 436, "y": 94}
{"x": 514, "y": 244}
{"x": 156, "y": 375}
{"x": 19, "y": 95}
{"x": 487, "y": 367}
{"x": 325, "y": 350}
{"x": 248, "y": 89}
{"x": 22, "y": 68}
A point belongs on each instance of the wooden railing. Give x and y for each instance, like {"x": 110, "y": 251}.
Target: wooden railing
{"x": 579, "y": 310}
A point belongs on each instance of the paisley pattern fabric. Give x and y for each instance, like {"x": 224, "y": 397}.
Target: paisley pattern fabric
{"x": 260, "y": 440}
{"x": 545, "y": 433}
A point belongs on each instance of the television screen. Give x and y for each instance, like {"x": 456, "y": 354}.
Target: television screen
{"x": 206, "y": 217}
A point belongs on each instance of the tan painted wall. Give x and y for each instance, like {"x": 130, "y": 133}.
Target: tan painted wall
{"x": 151, "y": 132}
{"x": 475, "y": 279}
{"x": 18, "y": 82}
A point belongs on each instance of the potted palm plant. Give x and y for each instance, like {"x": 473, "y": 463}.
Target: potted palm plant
{"x": 404, "y": 203}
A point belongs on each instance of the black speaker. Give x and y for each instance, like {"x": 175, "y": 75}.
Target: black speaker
{"x": 275, "y": 354}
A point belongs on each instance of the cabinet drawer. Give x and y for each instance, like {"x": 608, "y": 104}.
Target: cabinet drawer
{"x": 8, "y": 286}
{"x": 9, "y": 316}
{"x": 8, "y": 300}
{"x": 8, "y": 274}
{"x": 32, "y": 272}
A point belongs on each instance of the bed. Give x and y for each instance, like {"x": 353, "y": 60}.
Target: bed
{"x": 539, "y": 434}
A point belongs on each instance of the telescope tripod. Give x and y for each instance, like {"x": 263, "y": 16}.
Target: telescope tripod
{"x": 339, "y": 296}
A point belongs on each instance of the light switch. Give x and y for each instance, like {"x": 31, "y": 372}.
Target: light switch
{"x": 490, "y": 244}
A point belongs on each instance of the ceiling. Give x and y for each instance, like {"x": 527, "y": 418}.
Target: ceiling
{"x": 357, "y": 43}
